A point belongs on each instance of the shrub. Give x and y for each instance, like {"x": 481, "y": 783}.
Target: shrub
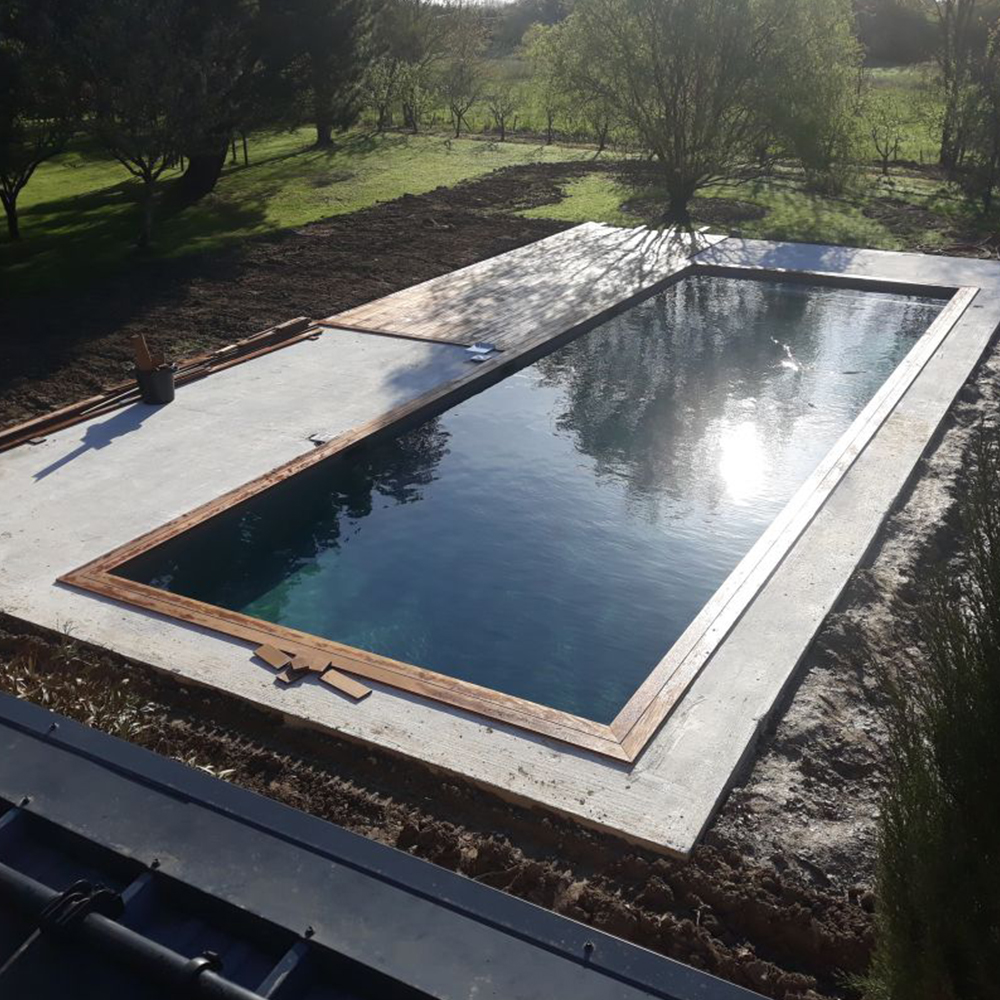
{"x": 939, "y": 830}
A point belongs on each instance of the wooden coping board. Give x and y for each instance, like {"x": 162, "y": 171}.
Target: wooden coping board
{"x": 544, "y": 288}
{"x": 521, "y": 301}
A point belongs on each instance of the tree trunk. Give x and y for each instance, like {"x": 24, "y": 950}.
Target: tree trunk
{"x": 949, "y": 141}
{"x": 548, "y": 128}
{"x": 13, "y": 223}
{"x": 246, "y": 151}
{"x": 602, "y": 139}
{"x": 677, "y": 213}
{"x": 322, "y": 101}
{"x": 201, "y": 176}
{"x": 146, "y": 227}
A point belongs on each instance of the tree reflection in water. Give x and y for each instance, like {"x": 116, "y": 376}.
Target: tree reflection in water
{"x": 552, "y": 536}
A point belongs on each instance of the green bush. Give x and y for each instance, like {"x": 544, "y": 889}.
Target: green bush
{"x": 939, "y": 830}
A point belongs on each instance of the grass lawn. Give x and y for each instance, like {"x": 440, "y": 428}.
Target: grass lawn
{"x": 792, "y": 213}
{"x": 918, "y": 99}
{"x": 79, "y": 216}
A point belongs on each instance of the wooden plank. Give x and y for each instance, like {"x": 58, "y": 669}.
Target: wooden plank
{"x": 311, "y": 662}
{"x": 345, "y": 685}
{"x": 123, "y": 393}
{"x": 470, "y": 697}
{"x": 549, "y": 286}
{"x": 660, "y": 692}
{"x": 272, "y": 656}
{"x": 140, "y": 353}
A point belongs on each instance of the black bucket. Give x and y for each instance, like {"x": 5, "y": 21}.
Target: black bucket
{"x": 157, "y": 387}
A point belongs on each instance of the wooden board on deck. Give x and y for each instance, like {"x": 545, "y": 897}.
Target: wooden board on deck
{"x": 545, "y": 287}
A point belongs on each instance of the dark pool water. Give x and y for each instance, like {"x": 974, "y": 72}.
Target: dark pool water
{"x": 552, "y": 536}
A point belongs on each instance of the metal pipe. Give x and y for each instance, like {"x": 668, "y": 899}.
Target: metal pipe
{"x": 155, "y": 962}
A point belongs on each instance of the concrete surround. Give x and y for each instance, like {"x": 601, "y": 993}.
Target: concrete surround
{"x": 92, "y": 487}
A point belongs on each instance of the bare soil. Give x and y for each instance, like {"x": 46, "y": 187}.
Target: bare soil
{"x": 779, "y": 897}
{"x": 58, "y": 348}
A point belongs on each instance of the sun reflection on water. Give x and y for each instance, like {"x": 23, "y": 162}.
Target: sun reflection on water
{"x": 741, "y": 460}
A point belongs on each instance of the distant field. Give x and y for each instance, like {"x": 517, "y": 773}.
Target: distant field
{"x": 913, "y": 89}
{"x": 79, "y": 214}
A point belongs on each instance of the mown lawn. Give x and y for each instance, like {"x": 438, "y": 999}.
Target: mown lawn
{"x": 79, "y": 216}
{"x": 898, "y": 212}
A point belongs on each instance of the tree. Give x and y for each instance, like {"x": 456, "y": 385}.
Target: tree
{"x": 138, "y": 83}
{"x": 236, "y": 53}
{"x": 887, "y": 126}
{"x": 37, "y": 108}
{"x": 382, "y": 85}
{"x": 817, "y": 92}
{"x": 549, "y": 86}
{"x": 980, "y": 175}
{"x": 461, "y": 81}
{"x": 335, "y": 36}
{"x": 415, "y": 94}
{"x": 895, "y": 32}
{"x": 502, "y": 99}
{"x": 709, "y": 87}
{"x": 414, "y": 35}
{"x": 957, "y": 34}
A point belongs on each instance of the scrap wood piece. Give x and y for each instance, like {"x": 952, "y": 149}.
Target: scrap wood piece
{"x": 272, "y": 656}
{"x": 345, "y": 685}
{"x": 140, "y": 350}
{"x": 310, "y": 662}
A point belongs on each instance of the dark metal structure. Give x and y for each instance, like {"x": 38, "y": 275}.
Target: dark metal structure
{"x": 127, "y": 875}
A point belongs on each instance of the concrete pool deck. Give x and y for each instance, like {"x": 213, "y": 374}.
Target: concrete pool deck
{"x": 92, "y": 487}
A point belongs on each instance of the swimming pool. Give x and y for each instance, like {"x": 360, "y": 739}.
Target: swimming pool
{"x": 551, "y": 537}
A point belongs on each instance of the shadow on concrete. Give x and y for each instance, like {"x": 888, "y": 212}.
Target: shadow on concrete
{"x": 101, "y": 435}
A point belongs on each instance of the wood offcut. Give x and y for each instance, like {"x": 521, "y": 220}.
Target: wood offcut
{"x": 294, "y": 666}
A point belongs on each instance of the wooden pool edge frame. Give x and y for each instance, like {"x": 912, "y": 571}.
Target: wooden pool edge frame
{"x": 629, "y": 733}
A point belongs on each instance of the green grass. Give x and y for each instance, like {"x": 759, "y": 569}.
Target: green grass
{"x": 792, "y": 213}
{"x": 915, "y": 92}
{"x": 79, "y": 215}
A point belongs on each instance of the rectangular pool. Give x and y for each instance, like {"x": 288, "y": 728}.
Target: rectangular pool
{"x": 551, "y": 537}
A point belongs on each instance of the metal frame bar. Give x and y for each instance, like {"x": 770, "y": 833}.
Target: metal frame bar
{"x": 396, "y": 925}
{"x": 628, "y": 734}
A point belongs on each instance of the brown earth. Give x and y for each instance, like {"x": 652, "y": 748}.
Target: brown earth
{"x": 779, "y": 898}
{"x": 58, "y": 348}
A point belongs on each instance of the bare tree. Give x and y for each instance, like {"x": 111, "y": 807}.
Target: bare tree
{"x": 502, "y": 99}
{"x": 461, "y": 82}
{"x": 549, "y": 86}
{"x": 886, "y": 125}
{"x": 712, "y": 88}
